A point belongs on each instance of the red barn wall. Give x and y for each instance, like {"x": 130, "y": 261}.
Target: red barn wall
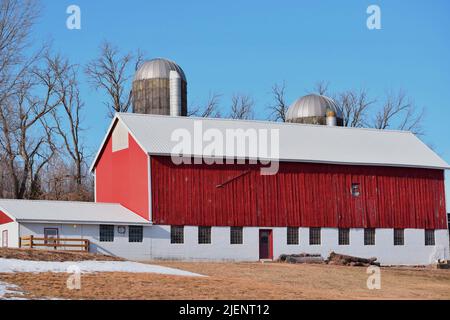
{"x": 301, "y": 194}
{"x": 122, "y": 177}
{"x": 4, "y": 218}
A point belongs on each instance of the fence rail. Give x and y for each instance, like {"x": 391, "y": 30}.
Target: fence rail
{"x": 76, "y": 244}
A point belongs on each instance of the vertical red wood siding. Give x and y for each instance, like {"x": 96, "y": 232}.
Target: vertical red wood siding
{"x": 122, "y": 177}
{"x": 301, "y": 194}
{"x": 4, "y": 218}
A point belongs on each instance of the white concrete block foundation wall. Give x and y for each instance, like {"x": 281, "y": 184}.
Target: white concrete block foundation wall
{"x": 413, "y": 252}
{"x": 156, "y": 243}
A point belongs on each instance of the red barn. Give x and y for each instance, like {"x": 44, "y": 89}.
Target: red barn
{"x": 358, "y": 191}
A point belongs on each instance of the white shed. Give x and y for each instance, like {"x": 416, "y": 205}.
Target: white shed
{"x": 107, "y": 227}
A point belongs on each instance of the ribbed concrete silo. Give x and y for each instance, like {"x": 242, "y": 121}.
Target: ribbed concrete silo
{"x": 160, "y": 87}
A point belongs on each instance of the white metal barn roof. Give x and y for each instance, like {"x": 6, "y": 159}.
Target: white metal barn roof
{"x": 298, "y": 142}
{"x": 69, "y": 212}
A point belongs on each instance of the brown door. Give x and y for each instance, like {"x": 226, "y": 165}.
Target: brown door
{"x": 265, "y": 244}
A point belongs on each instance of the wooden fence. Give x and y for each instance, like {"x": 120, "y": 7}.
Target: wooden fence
{"x": 68, "y": 244}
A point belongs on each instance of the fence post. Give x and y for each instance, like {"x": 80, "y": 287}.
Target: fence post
{"x": 31, "y": 242}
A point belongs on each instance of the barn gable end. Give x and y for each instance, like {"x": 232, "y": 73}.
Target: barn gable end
{"x": 4, "y": 218}
{"x": 121, "y": 172}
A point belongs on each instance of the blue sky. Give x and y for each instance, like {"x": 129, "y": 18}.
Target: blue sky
{"x": 246, "y": 46}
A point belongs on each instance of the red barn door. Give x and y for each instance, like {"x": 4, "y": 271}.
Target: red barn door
{"x": 265, "y": 244}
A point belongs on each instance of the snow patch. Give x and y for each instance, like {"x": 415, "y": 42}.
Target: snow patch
{"x": 7, "y": 288}
{"x": 16, "y": 265}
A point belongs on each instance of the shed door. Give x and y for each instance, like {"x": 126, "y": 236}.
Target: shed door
{"x": 265, "y": 244}
{"x": 49, "y": 234}
{"x": 5, "y": 238}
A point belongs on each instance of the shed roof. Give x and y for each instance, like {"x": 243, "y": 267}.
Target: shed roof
{"x": 297, "y": 142}
{"x": 69, "y": 212}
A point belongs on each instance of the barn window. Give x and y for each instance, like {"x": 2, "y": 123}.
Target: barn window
{"x": 292, "y": 235}
{"x": 399, "y": 237}
{"x": 106, "y": 233}
{"x": 314, "y": 236}
{"x": 204, "y": 235}
{"x": 369, "y": 237}
{"x": 236, "y": 235}
{"x": 135, "y": 233}
{"x": 429, "y": 237}
{"x": 344, "y": 236}
{"x": 176, "y": 234}
{"x": 356, "y": 189}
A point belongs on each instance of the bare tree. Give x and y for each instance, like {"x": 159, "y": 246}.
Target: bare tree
{"x": 321, "y": 87}
{"x": 25, "y": 142}
{"x": 279, "y": 108}
{"x": 209, "y": 110}
{"x": 241, "y": 107}
{"x": 354, "y": 106}
{"x": 67, "y": 119}
{"x": 16, "y": 20}
{"x": 399, "y": 112}
{"x": 110, "y": 72}
{"x": 39, "y": 112}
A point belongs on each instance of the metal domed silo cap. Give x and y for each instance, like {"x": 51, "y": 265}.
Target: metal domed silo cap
{"x": 158, "y": 68}
{"x": 313, "y": 109}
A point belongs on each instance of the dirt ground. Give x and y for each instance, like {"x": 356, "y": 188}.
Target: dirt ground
{"x": 53, "y": 255}
{"x": 243, "y": 281}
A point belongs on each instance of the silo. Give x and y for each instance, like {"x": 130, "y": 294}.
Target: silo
{"x": 160, "y": 87}
{"x": 315, "y": 109}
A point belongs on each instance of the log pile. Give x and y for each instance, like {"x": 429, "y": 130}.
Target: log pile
{"x": 345, "y": 260}
{"x": 301, "y": 258}
{"x": 333, "y": 259}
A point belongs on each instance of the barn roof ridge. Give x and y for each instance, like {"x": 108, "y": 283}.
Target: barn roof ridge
{"x": 127, "y": 114}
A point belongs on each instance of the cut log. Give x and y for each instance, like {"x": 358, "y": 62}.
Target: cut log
{"x": 301, "y": 258}
{"x": 293, "y": 259}
{"x": 346, "y": 260}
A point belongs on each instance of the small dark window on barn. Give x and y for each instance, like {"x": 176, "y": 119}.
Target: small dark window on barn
{"x": 369, "y": 237}
{"x": 344, "y": 236}
{"x": 236, "y": 235}
{"x": 356, "y": 189}
{"x": 429, "y": 237}
{"x": 135, "y": 233}
{"x": 399, "y": 237}
{"x": 314, "y": 236}
{"x": 106, "y": 233}
{"x": 292, "y": 235}
{"x": 176, "y": 234}
{"x": 204, "y": 235}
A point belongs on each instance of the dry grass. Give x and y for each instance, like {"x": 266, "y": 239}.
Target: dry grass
{"x": 52, "y": 255}
{"x": 244, "y": 281}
